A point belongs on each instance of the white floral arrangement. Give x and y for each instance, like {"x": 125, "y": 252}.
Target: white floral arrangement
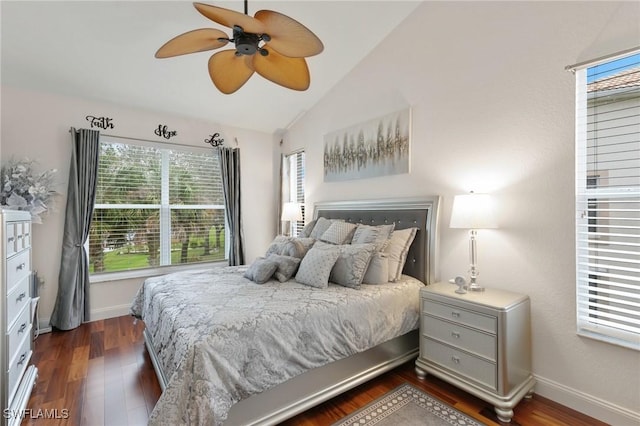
{"x": 24, "y": 189}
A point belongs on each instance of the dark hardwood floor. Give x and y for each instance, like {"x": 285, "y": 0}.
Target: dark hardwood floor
{"x": 101, "y": 374}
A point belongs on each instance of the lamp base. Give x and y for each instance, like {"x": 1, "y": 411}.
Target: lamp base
{"x": 475, "y": 287}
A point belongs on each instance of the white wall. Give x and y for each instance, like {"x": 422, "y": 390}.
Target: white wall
{"x": 36, "y": 125}
{"x": 493, "y": 111}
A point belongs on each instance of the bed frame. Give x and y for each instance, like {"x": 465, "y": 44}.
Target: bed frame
{"x": 321, "y": 384}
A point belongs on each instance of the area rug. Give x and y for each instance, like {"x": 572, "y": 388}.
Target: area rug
{"x": 407, "y": 406}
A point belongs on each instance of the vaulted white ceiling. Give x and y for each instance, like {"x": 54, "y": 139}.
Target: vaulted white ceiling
{"x": 103, "y": 50}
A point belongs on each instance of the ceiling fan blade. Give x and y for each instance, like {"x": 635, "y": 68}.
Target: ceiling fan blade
{"x": 229, "y": 18}
{"x": 288, "y": 36}
{"x": 191, "y": 42}
{"x": 292, "y": 73}
{"x": 228, "y": 71}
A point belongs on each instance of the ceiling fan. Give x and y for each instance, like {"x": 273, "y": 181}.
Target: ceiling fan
{"x": 269, "y": 43}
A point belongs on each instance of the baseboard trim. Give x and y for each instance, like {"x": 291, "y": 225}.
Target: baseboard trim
{"x": 585, "y": 403}
{"x": 96, "y": 315}
{"x": 110, "y": 312}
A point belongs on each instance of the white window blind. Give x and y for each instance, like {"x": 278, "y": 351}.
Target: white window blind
{"x": 608, "y": 200}
{"x": 156, "y": 205}
{"x": 295, "y": 168}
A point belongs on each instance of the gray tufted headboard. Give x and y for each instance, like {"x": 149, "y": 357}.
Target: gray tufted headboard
{"x": 405, "y": 213}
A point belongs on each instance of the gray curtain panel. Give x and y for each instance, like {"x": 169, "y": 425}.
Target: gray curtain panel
{"x": 230, "y": 170}
{"x": 72, "y": 303}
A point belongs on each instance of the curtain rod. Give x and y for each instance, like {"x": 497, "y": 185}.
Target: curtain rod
{"x": 152, "y": 141}
{"x": 601, "y": 59}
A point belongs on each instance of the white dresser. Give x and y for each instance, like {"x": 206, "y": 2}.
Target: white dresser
{"x": 479, "y": 342}
{"x": 18, "y": 376}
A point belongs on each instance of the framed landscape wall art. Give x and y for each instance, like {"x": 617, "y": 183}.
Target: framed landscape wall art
{"x": 379, "y": 147}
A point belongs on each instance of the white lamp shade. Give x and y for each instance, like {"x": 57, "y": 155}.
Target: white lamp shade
{"x": 291, "y": 212}
{"x": 472, "y": 211}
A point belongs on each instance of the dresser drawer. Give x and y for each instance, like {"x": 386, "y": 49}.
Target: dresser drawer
{"x": 461, "y": 363}
{"x": 483, "y": 344}
{"x": 18, "y": 267}
{"x": 17, "y": 298}
{"x": 10, "y": 238}
{"x": 453, "y": 313}
{"x": 20, "y": 329}
{"x": 23, "y": 237}
{"x": 18, "y": 365}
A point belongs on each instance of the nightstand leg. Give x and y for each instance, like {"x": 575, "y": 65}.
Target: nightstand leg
{"x": 504, "y": 415}
{"x": 421, "y": 373}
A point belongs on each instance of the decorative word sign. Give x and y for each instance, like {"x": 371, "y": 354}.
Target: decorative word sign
{"x": 165, "y": 132}
{"x": 214, "y": 140}
{"x": 101, "y": 122}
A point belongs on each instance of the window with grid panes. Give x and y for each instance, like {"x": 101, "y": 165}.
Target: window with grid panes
{"x": 294, "y": 164}
{"x": 608, "y": 199}
{"x": 156, "y": 205}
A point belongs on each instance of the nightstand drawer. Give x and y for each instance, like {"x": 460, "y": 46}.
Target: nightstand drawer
{"x": 453, "y": 313}
{"x": 462, "y": 337}
{"x": 461, "y": 363}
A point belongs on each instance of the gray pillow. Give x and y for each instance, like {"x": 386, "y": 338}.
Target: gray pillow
{"x": 322, "y": 224}
{"x": 286, "y": 266}
{"x": 296, "y": 247}
{"x": 379, "y": 234}
{"x": 378, "y": 269}
{"x": 277, "y": 245}
{"x": 306, "y": 231}
{"x": 351, "y": 265}
{"x": 339, "y": 233}
{"x": 261, "y": 270}
{"x": 316, "y": 266}
{"x": 397, "y": 250}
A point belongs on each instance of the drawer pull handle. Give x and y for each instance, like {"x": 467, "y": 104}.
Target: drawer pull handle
{"x": 20, "y": 266}
{"x": 19, "y": 237}
{"x": 27, "y": 234}
{"x": 455, "y": 314}
{"x": 22, "y": 296}
{"x": 455, "y": 334}
{"x": 22, "y": 358}
{"x": 455, "y": 360}
{"x": 22, "y": 328}
{"x": 11, "y": 239}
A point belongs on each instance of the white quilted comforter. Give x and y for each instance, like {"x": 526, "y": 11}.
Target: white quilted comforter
{"x": 221, "y": 338}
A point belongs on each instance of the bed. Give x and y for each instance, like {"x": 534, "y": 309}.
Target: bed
{"x": 283, "y": 347}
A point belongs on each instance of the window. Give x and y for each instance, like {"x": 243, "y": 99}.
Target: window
{"x": 608, "y": 200}
{"x": 293, "y": 186}
{"x": 156, "y": 205}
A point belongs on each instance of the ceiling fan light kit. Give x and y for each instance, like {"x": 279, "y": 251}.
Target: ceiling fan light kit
{"x": 269, "y": 43}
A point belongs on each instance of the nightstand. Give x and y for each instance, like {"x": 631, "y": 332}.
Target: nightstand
{"x": 479, "y": 342}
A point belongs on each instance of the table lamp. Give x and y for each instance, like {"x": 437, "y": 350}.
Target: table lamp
{"x": 473, "y": 211}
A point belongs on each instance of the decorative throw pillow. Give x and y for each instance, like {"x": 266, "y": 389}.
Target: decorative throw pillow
{"x": 352, "y": 264}
{"x": 322, "y": 224}
{"x": 316, "y": 266}
{"x": 277, "y": 245}
{"x": 379, "y": 234}
{"x": 286, "y": 266}
{"x": 306, "y": 231}
{"x": 378, "y": 269}
{"x": 296, "y": 247}
{"x": 339, "y": 233}
{"x": 397, "y": 250}
{"x": 261, "y": 270}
